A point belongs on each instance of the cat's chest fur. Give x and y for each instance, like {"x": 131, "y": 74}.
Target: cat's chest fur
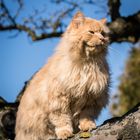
{"x": 91, "y": 78}
{"x": 86, "y": 84}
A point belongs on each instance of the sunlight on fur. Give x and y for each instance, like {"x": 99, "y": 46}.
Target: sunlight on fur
{"x": 68, "y": 93}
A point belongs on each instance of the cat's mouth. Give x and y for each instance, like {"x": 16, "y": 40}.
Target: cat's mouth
{"x": 92, "y": 47}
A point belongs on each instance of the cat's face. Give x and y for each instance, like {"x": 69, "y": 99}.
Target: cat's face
{"x": 91, "y": 34}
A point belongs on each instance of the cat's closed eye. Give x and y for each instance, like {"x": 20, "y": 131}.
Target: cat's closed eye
{"x": 91, "y": 32}
{"x": 104, "y": 34}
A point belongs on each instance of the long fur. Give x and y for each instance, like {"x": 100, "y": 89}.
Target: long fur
{"x": 70, "y": 90}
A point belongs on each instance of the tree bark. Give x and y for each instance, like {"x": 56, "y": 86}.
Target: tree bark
{"x": 126, "y": 127}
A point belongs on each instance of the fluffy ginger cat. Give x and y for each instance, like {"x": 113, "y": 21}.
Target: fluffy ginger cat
{"x": 68, "y": 93}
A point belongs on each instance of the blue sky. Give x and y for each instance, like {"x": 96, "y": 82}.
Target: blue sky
{"x": 20, "y": 58}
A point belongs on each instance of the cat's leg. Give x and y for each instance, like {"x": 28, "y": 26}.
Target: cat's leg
{"x": 86, "y": 120}
{"x": 91, "y": 111}
{"x": 63, "y": 125}
{"x": 60, "y": 117}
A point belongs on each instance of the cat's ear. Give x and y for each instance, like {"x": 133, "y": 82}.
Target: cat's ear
{"x": 103, "y": 21}
{"x": 78, "y": 19}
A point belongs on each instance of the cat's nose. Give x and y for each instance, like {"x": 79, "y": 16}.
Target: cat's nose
{"x": 103, "y": 39}
{"x": 100, "y": 36}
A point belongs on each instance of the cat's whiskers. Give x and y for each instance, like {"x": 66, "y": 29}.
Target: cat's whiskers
{"x": 114, "y": 50}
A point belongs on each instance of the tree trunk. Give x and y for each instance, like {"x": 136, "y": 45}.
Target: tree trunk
{"x": 126, "y": 127}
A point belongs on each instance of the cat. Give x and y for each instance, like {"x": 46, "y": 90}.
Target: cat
{"x": 69, "y": 92}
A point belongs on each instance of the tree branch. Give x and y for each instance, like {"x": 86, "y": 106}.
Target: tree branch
{"x": 30, "y": 32}
{"x": 126, "y": 127}
{"x": 122, "y": 28}
{"x": 125, "y": 29}
{"x": 114, "y": 6}
{"x": 118, "y": 128}
{"x": 20, "y": 3}
{"x": 7, "y": 13}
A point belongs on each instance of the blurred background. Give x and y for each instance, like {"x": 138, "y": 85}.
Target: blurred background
{"x": 30, "y": 30}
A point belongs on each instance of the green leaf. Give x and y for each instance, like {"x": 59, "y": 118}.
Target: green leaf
{"x": 85, "y": 135}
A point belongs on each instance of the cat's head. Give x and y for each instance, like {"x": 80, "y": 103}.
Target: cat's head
{"x": 90, "y": 36}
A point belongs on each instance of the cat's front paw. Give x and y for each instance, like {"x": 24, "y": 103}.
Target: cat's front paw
{"x": 64, "y": 132}
{"x": 86, "y": 124}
